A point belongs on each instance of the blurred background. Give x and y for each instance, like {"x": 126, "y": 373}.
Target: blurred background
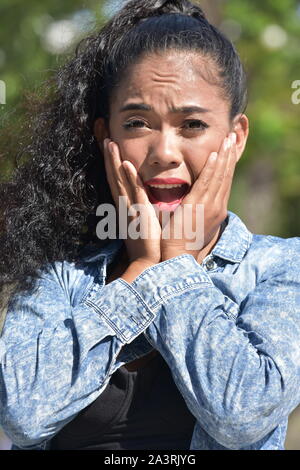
{"x": 36, "y": 37}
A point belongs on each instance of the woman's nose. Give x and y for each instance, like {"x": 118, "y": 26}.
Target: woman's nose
{"x": 165, "y": 151}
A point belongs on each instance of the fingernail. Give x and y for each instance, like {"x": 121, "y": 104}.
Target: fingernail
{"x": 233, "y": 138}
{"x": 213, "y": 156}
{"x": 227, "y": 143}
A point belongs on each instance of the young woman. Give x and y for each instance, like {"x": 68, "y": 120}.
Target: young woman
{"x": 147, "y": 342}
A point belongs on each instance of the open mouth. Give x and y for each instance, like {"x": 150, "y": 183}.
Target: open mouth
{"x": 168, "y": 194}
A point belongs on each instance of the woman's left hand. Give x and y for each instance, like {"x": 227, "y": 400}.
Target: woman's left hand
{"x": 212, "y": 190}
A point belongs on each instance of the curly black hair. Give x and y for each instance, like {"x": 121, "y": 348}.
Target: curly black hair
{"x": 49, "y": 205}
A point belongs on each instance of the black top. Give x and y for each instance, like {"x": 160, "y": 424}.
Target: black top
{"x": 137, "y": 410}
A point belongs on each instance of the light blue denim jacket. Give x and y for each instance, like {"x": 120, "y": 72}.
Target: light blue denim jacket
{"x": 229, "y": 330}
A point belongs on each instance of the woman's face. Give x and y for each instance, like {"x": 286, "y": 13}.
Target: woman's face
{"x": 167, "y": 119}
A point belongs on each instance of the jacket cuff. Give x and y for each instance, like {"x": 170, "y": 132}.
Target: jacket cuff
{"x": 121, "y": 307}
{"x": 169, "y": 277}
{"x": 129, "y": 308}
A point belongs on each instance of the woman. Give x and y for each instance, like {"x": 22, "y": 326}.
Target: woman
{"x": 146, "y": 342}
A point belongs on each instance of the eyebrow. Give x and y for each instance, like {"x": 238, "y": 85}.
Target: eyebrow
{"x": 146, "y": 107}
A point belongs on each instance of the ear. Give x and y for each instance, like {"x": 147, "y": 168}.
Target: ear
{"x": 241, "y": 127}
{"x": 101, "y": 131}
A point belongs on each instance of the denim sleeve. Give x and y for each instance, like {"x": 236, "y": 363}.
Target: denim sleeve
{"x": 55, "y": 358}
{"x": 237, "y": 366}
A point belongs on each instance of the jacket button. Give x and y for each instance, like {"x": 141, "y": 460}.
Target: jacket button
{"x": 210, "y": 264}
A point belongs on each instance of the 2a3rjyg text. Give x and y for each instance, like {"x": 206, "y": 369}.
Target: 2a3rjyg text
{"x": 151, "y": 459}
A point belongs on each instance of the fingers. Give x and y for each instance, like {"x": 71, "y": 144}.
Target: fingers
{"x": 221, "y": 178}
{"x": 137, "y": 187}
{"x": 201, "y": 185}
{"x": 225, "y": 188}
{"x": 116, "y": 175}
{"x": 123, "y": 177}
{"x": 216, "y": 176}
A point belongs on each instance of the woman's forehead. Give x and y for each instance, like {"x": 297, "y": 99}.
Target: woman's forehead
{"x": 186, "y": 64}
{"x": 175, "y": 77}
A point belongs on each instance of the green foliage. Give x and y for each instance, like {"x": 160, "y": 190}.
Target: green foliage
{"x": 23, "y": 24}
{"x": 274, "y": 119}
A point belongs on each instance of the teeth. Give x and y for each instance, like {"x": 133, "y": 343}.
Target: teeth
{"x": 166, "y": 186}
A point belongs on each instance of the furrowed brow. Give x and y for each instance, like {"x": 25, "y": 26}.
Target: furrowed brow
{"x": 180, "y": 110}
{"x": 135, "y": 107}
{"x": 189, "y": 110}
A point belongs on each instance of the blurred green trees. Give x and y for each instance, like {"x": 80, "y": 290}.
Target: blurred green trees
{"x": 267, "y": 186}
{"x": 266, "y": 191}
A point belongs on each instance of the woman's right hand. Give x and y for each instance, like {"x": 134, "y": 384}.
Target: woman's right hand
{"x": 124, "y": 180}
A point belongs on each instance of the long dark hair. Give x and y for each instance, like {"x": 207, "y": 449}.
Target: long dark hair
{"x": 48, "y": 207}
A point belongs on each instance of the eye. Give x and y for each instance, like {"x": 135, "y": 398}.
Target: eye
{"x": 134, "y": 123}
{"x": 195, "y": 124}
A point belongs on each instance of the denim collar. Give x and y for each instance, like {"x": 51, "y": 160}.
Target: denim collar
{"x": 234, "y": 241}
{"x": 232, "y": 245}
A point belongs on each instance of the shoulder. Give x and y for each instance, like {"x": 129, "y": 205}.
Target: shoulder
{"x": 275, "y": 255}
{"x": 74, "y": 279}
{"x": 240, "y": 246}
{"x": 273, "y": 247}
{"x": 259, "y": 256}
{"x": 61, "y": 279}
{"x": 59, "y": 286}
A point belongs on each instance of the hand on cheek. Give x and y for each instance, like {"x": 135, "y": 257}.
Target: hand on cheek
{"x": 125, "y": 182}
{"x": 212, "y": 191}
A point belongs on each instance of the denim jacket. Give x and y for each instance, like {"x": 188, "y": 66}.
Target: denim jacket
{"x": 229, "y": 330}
